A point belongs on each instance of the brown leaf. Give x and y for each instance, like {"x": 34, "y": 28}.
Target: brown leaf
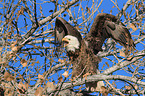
{"x": 22, "y": 87}
{"x": 64, "y": 15}
{"x": 26, "y": 55}
{"x": 104, "y": 91}
{"x": 8, "y": 76}
{"x": 34, "y": 51}
{"x": 51, "y": 85}
{"x": 114, "y": 83}
{"x": 8, "y": 89}
{"x": 40, "y": 76}
{"x": 3, "y": 62}
{"x": 76, "y": 5}
{"x": 128, "y": 87}
{"x": 135, "y": 86}
{"x": 88, "y": 9}
{"x": 32, "y": 64}
{"x": 72, "y": 79}
{"x": 85, "y": 75}
{"x": 14, "y": 48}
{"x": 13, "y": 44}
{"x": 37, "y": 62}
{"x": 122, "y": 54}
{"x": 83, "y": 16}
{"x": 107, "y": 64}
{"x": 50, "y": 10}
{"x": 113, "y": 6}
{"x": 65, "y": 74}
{"x": 38, "y": 92}
{"x": 110, "y": 11}
{"x": 133, "y": 26}
{"x": 60, "y": 79}
{"x": 24, "y": 62}
{"x": 102, "y": 10}
{"x": 1, "y": 48}
{"x": 139, "y": 5}
{"x": 103, "y": 66}
{"x": 77, "y": 27}
{"x": 60, "y": 60}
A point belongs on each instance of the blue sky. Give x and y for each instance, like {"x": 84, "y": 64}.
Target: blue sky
{"x": 106, "y": 6}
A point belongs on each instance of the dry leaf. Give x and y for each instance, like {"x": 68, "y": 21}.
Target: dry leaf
{"x": 22, "y": 88}
{"x": 122, "y": 54}
{"x": 110, "y": 11}
{"x": 26, "y": 55}
{"x": 50, "y": 10}
{"x": 8, "y": 89}
{"x": 38, "y": 92}
{"x": 51, "y": 85}
{"x": 37, "y": 62}
{"x": 114, "y": 83}
{"x": 104, "y": 91}
{"x": 85, "y": 75}
{"x": 3, "y": 62}
{"x": 24, "y": 62}
{"x": 103, "y": 66}
{"x": 77, "y": 27}
{"x": 1, "y": 48}
{"x": 32, "y": 64}
{"x": 13, "y": 44}
{"x": 65, "y": 74}
{"x": 60, "y": 79}
{"x": 5, "y": 84}
{"x": 113, "y": 6}
{"x": 14, "y": 48}
{"x": 8, "y": 76}
{"x": 73, "y": 78}
{"x": 83, "y": 16}
{"x": 9, "y": 92}
{"x": 135, "y": 86}
{"x": 40, "y": 76}
{"x": 133, "y": 26}
{"x": 102, "y": 10}
{"x": 60, "y": 60}
{"x": 107, "y": 64}
{"x": 34, "y": 51}
{"x": 88, "y": 10}
{"x": 64, "y": 15}
{"x": 128, "y": 87}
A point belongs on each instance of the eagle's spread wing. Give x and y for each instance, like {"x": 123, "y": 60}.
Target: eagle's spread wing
{"x": 119, "y": 33}
{"x": 63, "y": 28}
{"x": 106, "y": 26}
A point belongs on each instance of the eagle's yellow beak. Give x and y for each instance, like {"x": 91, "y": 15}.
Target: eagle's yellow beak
{"x": 65, "y": 41}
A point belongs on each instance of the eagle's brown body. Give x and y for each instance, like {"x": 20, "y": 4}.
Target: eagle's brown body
{"x": 86, "y": 62}
{"x": 85, "y": 59}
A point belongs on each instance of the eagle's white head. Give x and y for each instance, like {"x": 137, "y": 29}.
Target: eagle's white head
{"x": 71, "y": 43}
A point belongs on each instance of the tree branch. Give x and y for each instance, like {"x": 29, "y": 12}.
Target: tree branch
{"x": 100, "y": 77}
{"x": 123, "y": 64}
{"x": 49, "y": 18}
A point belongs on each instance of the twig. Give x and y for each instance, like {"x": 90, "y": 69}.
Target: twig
{"x": 114, "y": 88}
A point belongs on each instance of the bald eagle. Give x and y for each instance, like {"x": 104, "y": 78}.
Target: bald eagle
{"x": 83, "y": 51}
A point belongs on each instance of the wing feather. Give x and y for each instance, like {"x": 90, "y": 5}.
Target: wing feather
{"x": 106, "y": 26}
{"x": 63, "y": 28}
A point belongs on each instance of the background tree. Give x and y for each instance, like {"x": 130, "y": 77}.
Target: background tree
{"x": 32, "y": 65}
